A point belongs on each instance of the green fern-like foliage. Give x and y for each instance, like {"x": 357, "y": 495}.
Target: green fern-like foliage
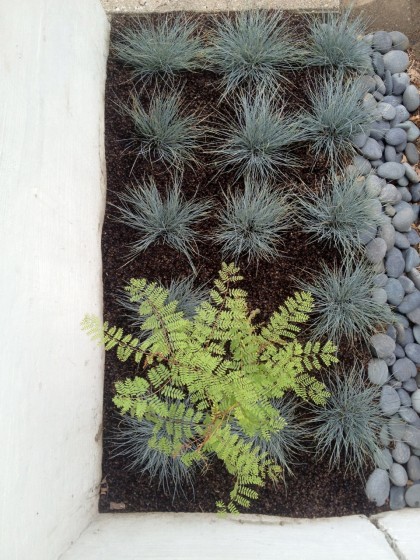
{"x": 225, "y": 366}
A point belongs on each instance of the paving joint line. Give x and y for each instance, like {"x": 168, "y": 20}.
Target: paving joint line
{"x": 390, "y": 539}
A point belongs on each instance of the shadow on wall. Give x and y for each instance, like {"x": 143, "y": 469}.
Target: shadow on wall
{"x": 392, "y": 15}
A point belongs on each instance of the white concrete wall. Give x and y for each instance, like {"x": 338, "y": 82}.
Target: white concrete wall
{"x": 52, "y": 184}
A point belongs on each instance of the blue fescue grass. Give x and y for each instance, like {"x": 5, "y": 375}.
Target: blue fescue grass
{"x": 252, "y": 222}
{"x": 344, "y": 307}
{"x": 340, "y": 212}
{"x": 336, "y": 114}
{"x": 161, "y": 49}
{"x": 253, "y": 48}
{"x": 165, "y": 132}
{"x": 182, "y": 290}
{"x": 169, "y": 220}
{"x": 257, "y": 141}
{"x": 335, "y": 41}
{"x": 346, "y": 430}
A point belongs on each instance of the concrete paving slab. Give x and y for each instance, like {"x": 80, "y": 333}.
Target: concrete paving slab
{"x": 183, "y": 536}
{"x": 402, "y": 531}
{"x": 145, "y": 6}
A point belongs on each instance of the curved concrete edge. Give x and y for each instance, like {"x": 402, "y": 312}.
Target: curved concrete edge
{"x": 149, "y": 6}
{"x": 185, "y": 536}
{"x": 52, "y": 177}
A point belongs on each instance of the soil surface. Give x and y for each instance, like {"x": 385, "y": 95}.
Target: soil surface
{"x": 313, "y": 491}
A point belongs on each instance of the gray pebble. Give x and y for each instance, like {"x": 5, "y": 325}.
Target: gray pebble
{"x": 411, "y": 153}
{"x": 378, "y": 129}
{"x": 368, "y": 83}
{"x": 393, "y": 100}
{"x": 409, "y": 303}
{"x": 396, "y": 428}
{"x": 401, "y": 320}
{"x": 380, "y": 280}
{"x": 382, "y": 345}
{"x": 373, "y": 185}
{"x": 394, "y": 262}
{"x": 389, "y": 210}
{"x": 401, "y": 453}
{"x": 378, "y": 96}
{"x": 396, "y": 498}
{"x": 399, "y": 149}
{"x": 410, "y": 173}
{"x": 379, "y": 296}
{"x": 388, "y": 82}
{"x": 411, "y": 98}
{"x": 394, "y": 61}
{"x": 387, "y": 233}
{"x": 403, "y": 219}
{"x": 414, "y": 276}
{"x": 382, "y": 42}
{"x": 401, "y": 117}
{"x": 394, "y": 291}
{"x": 413, "y": 468}
{"x": 415, "y": 400}
{"x": 401, "y": 241}
{"x": 398, "y": 475}
{"x": 410, "y": 385}
{"x": 399, "y": 351}
{"x": 415, "y": 192}
{"x": 362, "y": 165}
{"x": 412, "y": 350}
{"x": 408, "y": 415}
{"x": 359, "y": 140}
{"x": 387, "y": 111}
{"x": 369, "y": 102}
{"x": 408, "y": 338}
{"x": 399, "y": 40}
{"x": 383, "y": 458}
{"x": 399, "y": 82}
{"x": 379, "y": 83}
{"x": 407, "y": 284}
{"x": 412, "y": 236}
{"x": 392, "y": 332}
{"x": 414, "y": 316}
{"x": 376, "y": 250}
{"x": 375, "y": 163}
{"x": 412, "y": 495}
{"x": 405, "y": 193}
{"x": 367, "y": 235}
{"x": 371, "y": 149}
{"x": 404, "y": 398}
{"x": 389, "y": 401}
{"x": 379, "y": 64}
{"x": 378, "y": 487}
{"x": 395, "y": 136}
{"x": 412, "y": 435}
{"x": 384, "y": 436}
{"x": 389, "y": 193}
{"x": 416, "y": 333}
{"x": 377, "y": 371}
{"x": 390, "y": 361}
{"x": 413, "y": 132}
{"x": 412, "y": 259}
{"x": 403, "y": 369}
{"x": 390, "y": 154}
{"x": 391, "y": 170}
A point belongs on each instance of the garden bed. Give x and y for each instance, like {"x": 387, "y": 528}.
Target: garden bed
{"x": 314, "y": 490}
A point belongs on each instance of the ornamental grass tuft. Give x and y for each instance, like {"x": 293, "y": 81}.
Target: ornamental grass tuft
{"x": 335, "y": 41}
{"x": 253, "y": 48}
{"x": 165, "y": 132}
{"x": 253, "y": 221}
{"x": 156, "y": 219}
{"x": 160, "y": 49}
{"x": 346, "y": 429}
{"x": 336, "y": 114}
{"x": 344, "y": 307}
{"x": 340, "y": 212}
{"x": 257, "y": 141}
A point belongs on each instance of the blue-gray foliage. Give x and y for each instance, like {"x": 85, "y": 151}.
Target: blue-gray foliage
{"x": 346, "y": 430}
{"x": 156, "y": 219}
{"x": 336, "y": 114}
{"x": 340, "y": 212}
{"x": 253, "y": 48}
{"x": 252, "y": 222}
{"x": 344, "y": 307}
{"x": 335, "y": 40}
{"x": 257, "y": 141}
{"x": 160, "y": 49}
{"x": 164, "y": 131}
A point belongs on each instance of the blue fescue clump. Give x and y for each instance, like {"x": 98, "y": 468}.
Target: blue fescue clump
{"x": 257, "y": 141}
{"x": 169, "y": 220}
{"x": 340, "y": 212}
{"x": 253, "y": 49}
{"x": 335, "y": 41}
{"x": 344, "y": 307}
{"x": 160, "y": 49}
{"x": 346, "y": 429}
{"x": 336, "y": 114}
{"x": 253, "y": 221}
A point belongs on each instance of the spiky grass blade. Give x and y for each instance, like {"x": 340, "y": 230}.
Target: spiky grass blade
{"x": 253, "y": 48}
{"x": 155, "y": 219}
{"x": 340, "y": 212}
{"x": 346, "y": 429}
{"x": 252, "y": 222}
{"x": 160, "y": 49}
{"x": 181, "y": 290}
{"x": 336, "y": 115}
{"x": 165, "y": 131}
{"x": 343, "y": 302}
{"x": 335, "y": 41}
{"x": 257, "y": 142}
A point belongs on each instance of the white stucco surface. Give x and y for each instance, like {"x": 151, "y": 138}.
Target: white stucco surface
{"x": 402, "y": 529}
{"x": 205, "y": 536}
{"x": 145, "y": 6}
{"x": 52, "y": 71}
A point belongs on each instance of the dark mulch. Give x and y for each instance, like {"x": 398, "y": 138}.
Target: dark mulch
{"x": 313, "y": 491}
